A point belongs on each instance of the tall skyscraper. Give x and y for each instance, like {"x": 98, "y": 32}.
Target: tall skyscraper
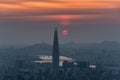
{"x": 55, "y": 54}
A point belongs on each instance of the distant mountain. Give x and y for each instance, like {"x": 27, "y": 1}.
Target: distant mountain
{"x": 84, "y": 52}
{"x": 103, "y": 45}
{"x": 45, "y": 48}
{"x": 42, "y": 46}
{"x": 109, "y": 45}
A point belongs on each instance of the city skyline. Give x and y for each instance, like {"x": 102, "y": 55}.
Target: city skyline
{"x": 33, "y": 21}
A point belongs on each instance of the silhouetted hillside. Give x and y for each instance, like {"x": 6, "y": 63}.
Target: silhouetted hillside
{"x": 107, "y": 52}
{"x": 103, "y": 45}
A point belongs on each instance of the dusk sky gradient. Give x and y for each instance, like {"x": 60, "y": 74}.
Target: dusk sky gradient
{"x": 33, "y": 21}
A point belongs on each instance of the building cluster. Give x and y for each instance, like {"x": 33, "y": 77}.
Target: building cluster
{"x": 69, "y": 71}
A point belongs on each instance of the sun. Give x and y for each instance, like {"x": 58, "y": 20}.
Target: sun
{"x": 65, "y": 32}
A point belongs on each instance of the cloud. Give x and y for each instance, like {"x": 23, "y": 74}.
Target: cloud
{"x": 39, "y": 12}
{"x": 23, "y": 1}
{"x": 49, "y": 9}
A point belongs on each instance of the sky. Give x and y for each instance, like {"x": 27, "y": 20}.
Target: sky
{"x": 84, "y": 21}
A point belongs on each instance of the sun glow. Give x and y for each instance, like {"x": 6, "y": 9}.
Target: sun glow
{"x": 65, "y": 20}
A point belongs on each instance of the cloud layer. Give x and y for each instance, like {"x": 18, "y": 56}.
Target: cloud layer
{"x": 55, "y": 7}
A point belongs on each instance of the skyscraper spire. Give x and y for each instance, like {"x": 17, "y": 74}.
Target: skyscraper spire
{"x": 55, "y": 54}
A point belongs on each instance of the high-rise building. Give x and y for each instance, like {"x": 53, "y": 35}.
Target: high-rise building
{"x": 55, "y": 54}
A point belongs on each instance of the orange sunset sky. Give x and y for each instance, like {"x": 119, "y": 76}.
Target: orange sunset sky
{"x": 56, "y": 8}
{"x": 95, "y": 20}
